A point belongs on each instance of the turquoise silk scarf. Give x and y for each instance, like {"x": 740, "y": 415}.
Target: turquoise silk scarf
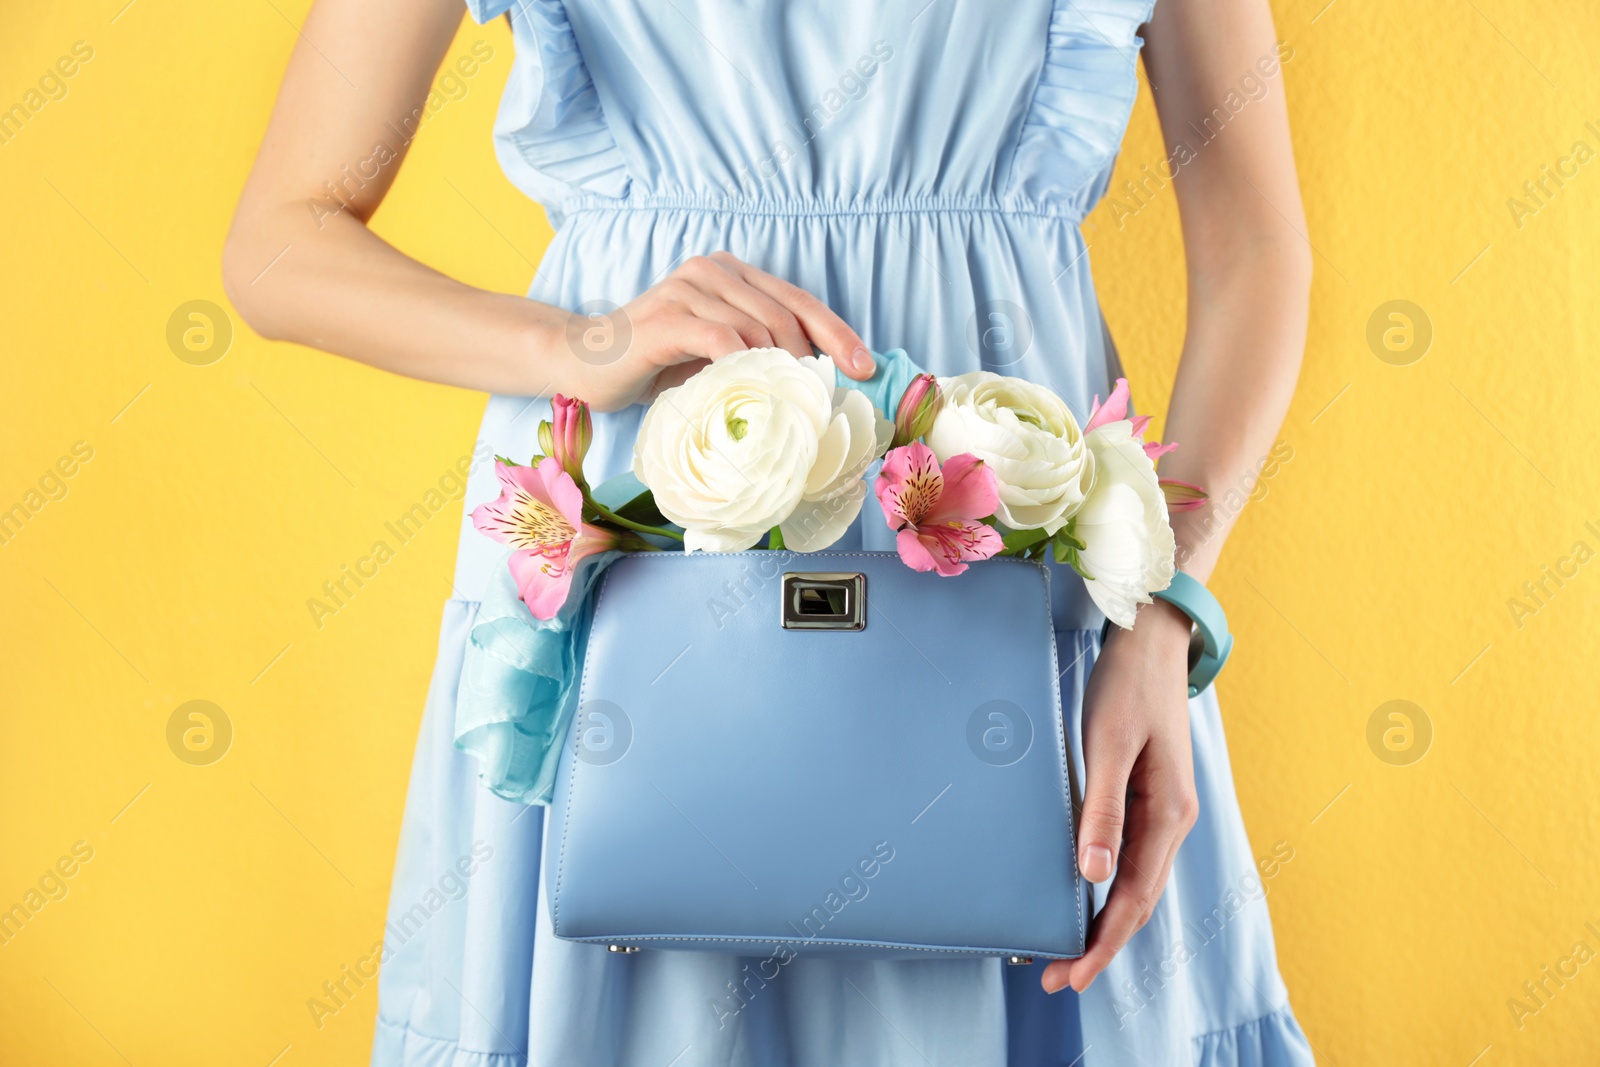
{"x": 519, "y": 678}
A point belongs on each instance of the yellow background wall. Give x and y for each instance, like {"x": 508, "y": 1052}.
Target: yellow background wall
{"x": 1377, "y": 566}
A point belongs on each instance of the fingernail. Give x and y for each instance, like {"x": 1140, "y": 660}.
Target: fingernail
{"x": 1054, "y": 982}
{"x": 862, "y": 360}
{"x": 1097, "y": 863}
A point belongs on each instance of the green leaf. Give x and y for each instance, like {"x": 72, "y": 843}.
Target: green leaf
{"x": 775, "y": 538}
{"x": 628, "y": 497}
{"x": 1063, "y": 546}
{"x": 1016, "y": 539}
{"x": 642, "y": 509}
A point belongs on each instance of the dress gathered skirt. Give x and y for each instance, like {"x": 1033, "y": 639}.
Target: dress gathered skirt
{"x": 922, "y": 167}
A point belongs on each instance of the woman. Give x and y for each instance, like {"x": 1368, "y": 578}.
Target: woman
{"x": 725, "y": 175}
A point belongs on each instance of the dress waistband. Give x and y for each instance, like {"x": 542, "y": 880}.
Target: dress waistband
{"x": 818, "y": 207}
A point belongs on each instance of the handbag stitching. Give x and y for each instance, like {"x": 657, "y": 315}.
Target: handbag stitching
{"x": 1066, "y": 757}
{"x": 572, "y": 773}
{"x": 628, "y": 939}
{"x": 1061, "y": 740}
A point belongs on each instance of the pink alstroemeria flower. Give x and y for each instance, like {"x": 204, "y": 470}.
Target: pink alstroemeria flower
{"x": 1115, "y": 409}
{"x": 936, "y": 510}
{"x": 539, "y": 514}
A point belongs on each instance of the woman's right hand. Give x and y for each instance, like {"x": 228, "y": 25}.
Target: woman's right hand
{"x": 705, "y": 309}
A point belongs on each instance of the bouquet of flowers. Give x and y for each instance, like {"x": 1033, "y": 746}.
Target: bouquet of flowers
{"x": 761, "y": 449}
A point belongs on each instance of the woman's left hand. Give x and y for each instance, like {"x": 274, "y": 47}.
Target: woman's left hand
{"x": 1140, "y": 767}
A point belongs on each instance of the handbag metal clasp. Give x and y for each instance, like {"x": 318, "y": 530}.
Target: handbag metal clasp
{"x": 818, "y": 601}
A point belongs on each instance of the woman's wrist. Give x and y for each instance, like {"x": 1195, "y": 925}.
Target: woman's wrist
{"x": 1161, "y": 627}
{"x": 1199, "y": 535}
{"x": 551, "y": 357}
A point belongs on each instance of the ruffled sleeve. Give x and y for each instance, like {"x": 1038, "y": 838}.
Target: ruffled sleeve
{"x": 1081, "y": 104}
{"x": 551, "y": 135}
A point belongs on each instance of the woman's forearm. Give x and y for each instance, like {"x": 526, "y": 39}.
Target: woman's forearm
{"x": 1241, "y": 358}
{"x": 1216, "y": 70}
{"x": 341, "y": 288}
{"x": 300, "y": 266}
{"x": 335, "y": 285}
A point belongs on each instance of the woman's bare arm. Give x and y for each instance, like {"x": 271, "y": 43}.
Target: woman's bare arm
{"x": 298, "y": 271}
{"x": 1249, "y": 269}
{"x": 1249, "y": 261}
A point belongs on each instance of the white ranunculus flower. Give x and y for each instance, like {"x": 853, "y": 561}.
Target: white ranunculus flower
{"x": 756, "y": 440}
{"x": 1128, "y": 542}
{"x": 1027, "y": 436}
{"x": 856, "y": 435}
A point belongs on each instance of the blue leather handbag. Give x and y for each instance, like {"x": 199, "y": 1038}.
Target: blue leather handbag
{"x": 777, "y": 753}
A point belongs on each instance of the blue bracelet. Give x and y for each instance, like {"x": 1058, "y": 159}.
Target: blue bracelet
{"x": 1209, "y": 641}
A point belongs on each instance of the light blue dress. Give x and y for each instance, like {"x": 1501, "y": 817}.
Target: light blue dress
{"x": 922, "y": 167}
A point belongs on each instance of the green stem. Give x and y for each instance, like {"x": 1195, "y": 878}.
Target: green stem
{"x": 632, "y": 542}
{"x": 775, "y": 539}
{"x": 628, "y": 524}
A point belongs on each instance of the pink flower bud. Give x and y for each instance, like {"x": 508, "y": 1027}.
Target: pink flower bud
{"x": 918, "y": 405}
{"x": 1182, "y": 496}
{"x": 571, "y": 433}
